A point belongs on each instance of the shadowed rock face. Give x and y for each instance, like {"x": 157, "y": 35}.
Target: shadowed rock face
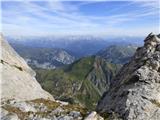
{"x": 135, "y": 91}
{"x": 18, "y": 79}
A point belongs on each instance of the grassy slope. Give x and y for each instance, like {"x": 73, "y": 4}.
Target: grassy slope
{"x": 72, "y": 83}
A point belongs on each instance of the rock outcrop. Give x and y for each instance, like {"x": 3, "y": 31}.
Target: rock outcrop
{"x": 18, "y": 79}
{"x": 41, "y": 109}
{"x": 93, "y": 116}
{"x": 134, "y": 94}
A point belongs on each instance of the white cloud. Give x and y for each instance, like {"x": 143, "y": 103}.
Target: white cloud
{"x": 65, "y": 18}
{"x": 150, "y": 3}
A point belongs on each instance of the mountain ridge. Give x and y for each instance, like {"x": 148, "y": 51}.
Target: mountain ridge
{"x": 134, "y": 92}
{"x": 83, "y": 81}
{"x": 81, "y": 47}
{"x": 118, "y": 54}
{"x": 47, "y": 58}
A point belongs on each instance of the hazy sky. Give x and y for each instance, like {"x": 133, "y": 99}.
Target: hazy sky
{"x": 80, "y": 17}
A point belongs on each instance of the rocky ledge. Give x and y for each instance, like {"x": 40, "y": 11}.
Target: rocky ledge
{"x": 135, "y": 92}
{"x": 42, "y": 109}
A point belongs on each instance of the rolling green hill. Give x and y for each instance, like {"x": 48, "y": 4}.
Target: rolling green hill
{"x": 83, "y": 81}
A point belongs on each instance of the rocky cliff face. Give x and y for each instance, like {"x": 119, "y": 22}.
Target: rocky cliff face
{"x": 18, "y": 79}
{"x": 135, "y": 92}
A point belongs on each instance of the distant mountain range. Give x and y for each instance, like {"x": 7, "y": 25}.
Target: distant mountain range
{"x": 118, "y": 54}
{"x": 78, "y": 46}
{"x": 83, "y": 81}
{"x": 47, "y": 58}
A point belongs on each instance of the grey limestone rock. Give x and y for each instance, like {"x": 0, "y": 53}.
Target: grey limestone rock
{"x": 18, "y": 79}
{"x": 93, "y": 116}
{"x": 10, "y": 116}
{"x": 134, "y": 93}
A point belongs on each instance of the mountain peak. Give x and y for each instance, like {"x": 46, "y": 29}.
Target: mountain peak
{"x": 135, "y": 91}
{"x": 152, "y": 40}
{"x": 118, "y": 54}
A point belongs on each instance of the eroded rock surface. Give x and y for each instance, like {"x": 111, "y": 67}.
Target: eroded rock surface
{"x": 18, "y": 79}
{"x": 41, "y": 109}
{"x": 135, "y": 92}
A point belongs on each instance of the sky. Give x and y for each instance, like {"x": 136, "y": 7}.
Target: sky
{"x": 93, "y": 17}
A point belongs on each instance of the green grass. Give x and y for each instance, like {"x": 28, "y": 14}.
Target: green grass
{"x": 72, "y": 82}
{"x": 88, "y": 95}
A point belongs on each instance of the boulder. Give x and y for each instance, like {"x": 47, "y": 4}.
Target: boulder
{"x": 93, "y": 116}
